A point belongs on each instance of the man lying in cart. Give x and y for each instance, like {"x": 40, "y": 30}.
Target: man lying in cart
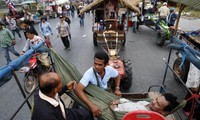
{"x": 163, "y": 104}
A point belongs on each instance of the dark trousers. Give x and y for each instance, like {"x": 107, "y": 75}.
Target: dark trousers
{"x": 78, "y": 114}
{"x": 17, "y": 31}
{"x": 65, "y": 41}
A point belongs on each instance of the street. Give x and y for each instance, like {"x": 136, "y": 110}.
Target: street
{"x": 147, "y": 61}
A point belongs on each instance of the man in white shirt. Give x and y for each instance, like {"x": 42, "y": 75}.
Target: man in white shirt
{"x": 98, "y": 75}
{"x": 163, "y": 12}
{"x": 162, "y": 104}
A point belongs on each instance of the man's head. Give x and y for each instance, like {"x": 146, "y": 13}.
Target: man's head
{"x": 172, "y": 9}
{"x": 43, "y": 18}
{"x": 30, "y": 33}
{"x": 62, "y": 18}
{"x": 1, "y": 25}
{"x": 24, "y": 24}
{"x": 100, "y": 61}
{"x": 164, "y": 104}
{"x": 50, "y": 84}
{"x": 9, "y": 16}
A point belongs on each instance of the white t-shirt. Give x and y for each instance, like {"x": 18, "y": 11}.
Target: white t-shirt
{"x": 164, "y": 11}
{"x": 89, "y": 77}
{"x": 128, "y": 106}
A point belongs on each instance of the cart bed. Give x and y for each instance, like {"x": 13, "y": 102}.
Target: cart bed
{"x": 151, "y": 95}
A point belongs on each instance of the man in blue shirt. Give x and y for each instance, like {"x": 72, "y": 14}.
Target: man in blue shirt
{"x": 98, "y": 75}
{"x": 171, "y": 18}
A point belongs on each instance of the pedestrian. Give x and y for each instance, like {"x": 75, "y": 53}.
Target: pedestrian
{"x": 171, "y": 18}
{"x": 98, "y": 75}
{"x": 67, "y": 8}
{"x": 48, "y": 103}
{"x": 46, "y": 30}
{"x": 72, "y": 8}
{"x": 7, "y": 42}
{"x": 163, "y": 13}
{"x": 63, "y": 31}
{"x": 3, "y": 19}
{"x": 82, "y": 16}
{"x": 59, "y": 10}
{"x": 26, "y": 24}
{"x": 13, "y": 26}
{"x": 32, "y": 41}
{"x": 135, "y": 22}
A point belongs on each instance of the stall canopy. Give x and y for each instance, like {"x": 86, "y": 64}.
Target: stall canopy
{"x": 131, "y": 4}
{"x": 192, "y": 3}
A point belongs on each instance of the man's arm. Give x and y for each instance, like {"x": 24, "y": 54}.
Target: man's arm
{"x": 79, "y": 91}
{"x": 117, "y": 84}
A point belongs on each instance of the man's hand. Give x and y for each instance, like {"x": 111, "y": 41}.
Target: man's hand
{"x": 71, "y": 85}
{"x": 96, "y": 111}
{"x": 118, "y": 92}
{"x": 22, "y": 52}
{"x": 13, "y": 42}
{"x": 70, "y": 36}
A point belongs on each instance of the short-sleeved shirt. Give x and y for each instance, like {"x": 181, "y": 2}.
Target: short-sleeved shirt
{"x": 89, "y": 77}
{"x": 132, "y": 106}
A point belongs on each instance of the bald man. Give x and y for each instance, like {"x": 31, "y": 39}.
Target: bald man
{"x": 48, "y": 104}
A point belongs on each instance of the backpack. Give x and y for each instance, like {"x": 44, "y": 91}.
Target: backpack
{"x": 67, "y": 20}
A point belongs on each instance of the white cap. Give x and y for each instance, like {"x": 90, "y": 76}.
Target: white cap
{"x": 164, "y": 3}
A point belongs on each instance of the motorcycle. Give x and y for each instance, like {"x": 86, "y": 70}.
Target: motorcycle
{"x": 39, "y": 63}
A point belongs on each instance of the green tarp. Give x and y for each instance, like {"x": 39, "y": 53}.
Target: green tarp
{"x": 99, "y": 97}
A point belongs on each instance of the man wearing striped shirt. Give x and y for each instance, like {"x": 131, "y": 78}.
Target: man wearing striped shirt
{"x": 7, "y": 42}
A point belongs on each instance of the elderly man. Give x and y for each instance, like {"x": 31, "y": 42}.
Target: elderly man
{"x": 162, "y": 104}
{"x": 48, "y": 104}
{"x": 98, "y": 75}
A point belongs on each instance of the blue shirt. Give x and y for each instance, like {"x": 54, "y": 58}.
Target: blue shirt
{"x": 89, "y": 77}
{"x": 45, "y": 28}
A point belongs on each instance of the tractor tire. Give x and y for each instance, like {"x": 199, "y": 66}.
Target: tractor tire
{"x": 30, "y": 83}
{"x": 127, "y": 81}
{"x": 95, "y": 39}
{"x": 161, "y": 37}
{"x": 124, "y": 42}
{"x": 181, "y": 72}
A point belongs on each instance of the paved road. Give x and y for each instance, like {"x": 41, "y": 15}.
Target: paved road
{"x": 141, "y": 49}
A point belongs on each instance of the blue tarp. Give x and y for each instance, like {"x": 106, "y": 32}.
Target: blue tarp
{"x": 6, "y": 71}
{"x": 187, "y": 52}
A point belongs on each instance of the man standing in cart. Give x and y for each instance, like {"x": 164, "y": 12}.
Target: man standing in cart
{"x": 98, "y": 75}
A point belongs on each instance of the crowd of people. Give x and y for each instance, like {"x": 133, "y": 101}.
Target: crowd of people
{"x": 165, "y": 13}
{"x": 9, "y": 26}
{"x": 50, "y": 84}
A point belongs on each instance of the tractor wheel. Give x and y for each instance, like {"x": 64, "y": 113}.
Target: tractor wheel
{"x": 127, "y": 81}
{"x": 181, "y": 72}
{"x": 95, "y": 39}
{"x": 161, "y": 36}
{"x": 124, "y": 39}
{"x": 30, "y": 83}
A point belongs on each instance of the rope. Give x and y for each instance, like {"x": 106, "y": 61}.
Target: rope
{"x": 194, "y": 102}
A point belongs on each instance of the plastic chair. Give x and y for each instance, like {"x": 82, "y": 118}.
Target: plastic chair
{"x": 143, "y": 115}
